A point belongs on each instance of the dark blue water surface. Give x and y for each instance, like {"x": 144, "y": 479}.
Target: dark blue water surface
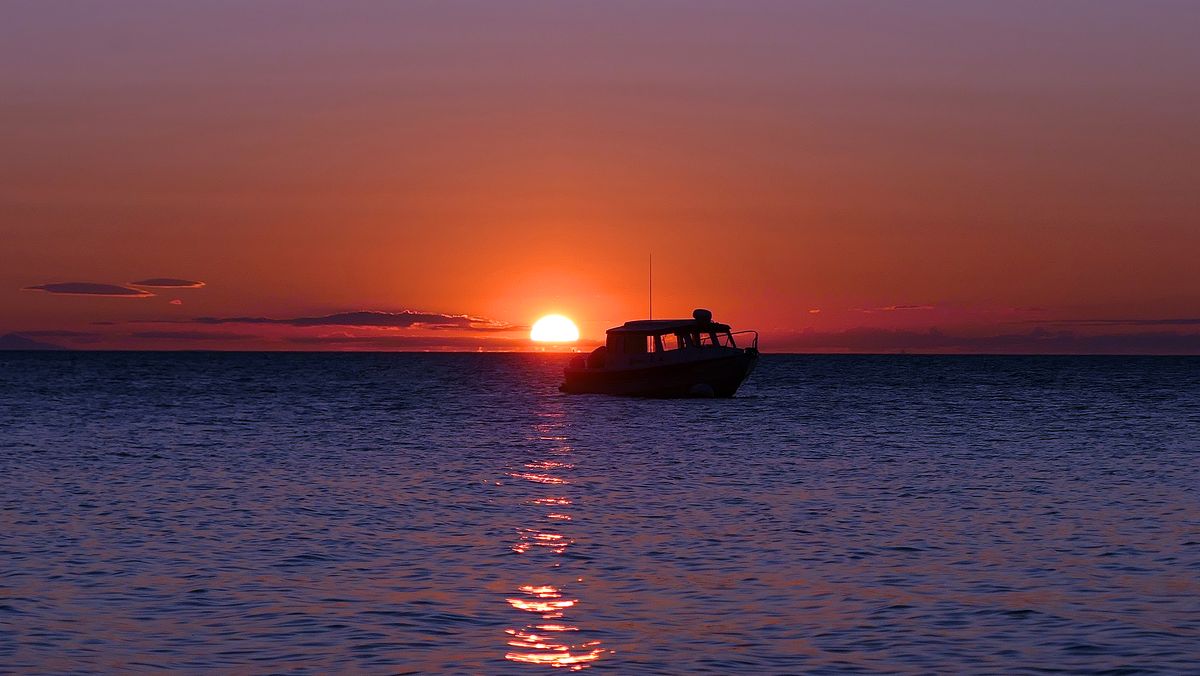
{"x": 456, "y": 513}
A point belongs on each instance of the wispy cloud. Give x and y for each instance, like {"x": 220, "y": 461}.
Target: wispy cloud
{"x": 73, "y": 338}
{"x": 191, "y": 335}
{"x": 374, "y": 319}
{"x": 168, "y": 283}
{"x": 893, "y": 308}
{"x": 1174, "y": 321}
{"x": 17, "y": 341}
{"x": 1037, "y": 341}
{"x": 483, "y": 328}
{"x": 408, "y": 342}
{"x": 90, "y": 289}
{"x": 57, "y": 333}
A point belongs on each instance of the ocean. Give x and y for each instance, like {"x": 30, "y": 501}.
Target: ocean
{"x": 454, "y": 513}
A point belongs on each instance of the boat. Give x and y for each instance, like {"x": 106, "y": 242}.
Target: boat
{"x": 694, "y": 357}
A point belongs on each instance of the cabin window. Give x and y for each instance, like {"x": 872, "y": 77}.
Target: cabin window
{"x": 669, "y": 342}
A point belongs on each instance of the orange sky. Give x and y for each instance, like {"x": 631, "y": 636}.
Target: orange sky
{"x": 930, "y": 176}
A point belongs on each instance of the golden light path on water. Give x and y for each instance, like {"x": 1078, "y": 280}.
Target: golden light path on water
{"x": 546, "y": 640}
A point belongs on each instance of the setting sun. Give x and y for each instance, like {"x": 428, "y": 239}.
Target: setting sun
{"x": 554, "y": 329}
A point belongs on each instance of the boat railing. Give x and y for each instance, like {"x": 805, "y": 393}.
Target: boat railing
{"x": 754, "y": 345}
{"x": 725, "y": 339}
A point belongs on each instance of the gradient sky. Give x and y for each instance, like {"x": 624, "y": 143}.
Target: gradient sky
{"x": 843, "y": 176}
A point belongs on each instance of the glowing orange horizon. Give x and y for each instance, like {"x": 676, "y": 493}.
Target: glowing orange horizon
{"x": 808, "y": 174}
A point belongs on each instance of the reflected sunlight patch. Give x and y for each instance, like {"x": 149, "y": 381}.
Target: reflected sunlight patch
{"x": 541, "y": 643}
{"x": 538, "y": 478}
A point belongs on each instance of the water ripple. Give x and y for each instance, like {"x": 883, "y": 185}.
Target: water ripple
{"x": 455, "y": 513}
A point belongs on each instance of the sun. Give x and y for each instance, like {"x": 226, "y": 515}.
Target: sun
{"x": 554, "y": 329}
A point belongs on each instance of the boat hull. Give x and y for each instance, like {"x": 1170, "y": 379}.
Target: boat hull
{"x": 718, "y": 377}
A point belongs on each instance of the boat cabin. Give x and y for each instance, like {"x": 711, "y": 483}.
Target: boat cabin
{"x": 694, "y": 357}
{"x": 658, "y": 341}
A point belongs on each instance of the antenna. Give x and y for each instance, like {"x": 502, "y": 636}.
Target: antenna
{"x": 651, "y": 287}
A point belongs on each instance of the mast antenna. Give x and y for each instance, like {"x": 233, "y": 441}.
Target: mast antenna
{"x": 650, "y": 288}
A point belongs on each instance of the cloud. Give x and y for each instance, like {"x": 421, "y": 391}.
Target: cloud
{"x": 1185, "y": 321}
{"x": 411, "y": 342}
{"x": 75, "y": 338}
{"x": 54, "y": 333}
{"x": 168, "y": 283}
{"x": 90, "y": 289}
{"x": 385, "y": 342}
{"x": 191, "y": 335}
{"x": 1037, "y": 341}
{"x": 498, "y": 326}
{"x": 893, "y": 308}
{"x": 374, "y": 319}
{"x": 17, "y": 341}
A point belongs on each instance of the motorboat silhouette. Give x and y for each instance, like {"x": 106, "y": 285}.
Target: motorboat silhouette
{"x": 694, "y": 357}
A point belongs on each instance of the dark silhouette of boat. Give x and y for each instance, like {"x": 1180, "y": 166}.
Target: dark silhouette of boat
{"x": 694, "y": 357}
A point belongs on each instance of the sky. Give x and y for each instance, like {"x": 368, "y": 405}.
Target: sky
{"x": 841, "y": 176}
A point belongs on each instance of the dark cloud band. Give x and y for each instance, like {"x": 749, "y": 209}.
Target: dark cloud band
{"x": 56, "y": 333}
{"x": 893, "y": 308}
{"x": 90, "y": 289}
{"x": 1037, "y": 341}
{"x": 1183, "y": 321}
{"x": 17, "y": 341}
{"x": 191, "y": 335}
{"x": 411, "y": 343}
{"x": 168, "y": 283}
{"x": 373, "y": 319}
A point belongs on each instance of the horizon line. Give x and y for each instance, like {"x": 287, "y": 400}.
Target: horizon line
{"x": 898, "y": 353}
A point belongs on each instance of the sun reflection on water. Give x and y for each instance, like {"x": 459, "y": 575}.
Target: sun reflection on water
{"x": 528, "y": 538}
{"x": 543, "y": 643}
{"x": 545, "y": 640}
{"x": 548, "y": 465}
{"x": 538, "y": 478}
{"x": 546, "y": 600}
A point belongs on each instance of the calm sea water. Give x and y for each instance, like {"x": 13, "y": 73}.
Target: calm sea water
{"x": 455, "y": 513}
